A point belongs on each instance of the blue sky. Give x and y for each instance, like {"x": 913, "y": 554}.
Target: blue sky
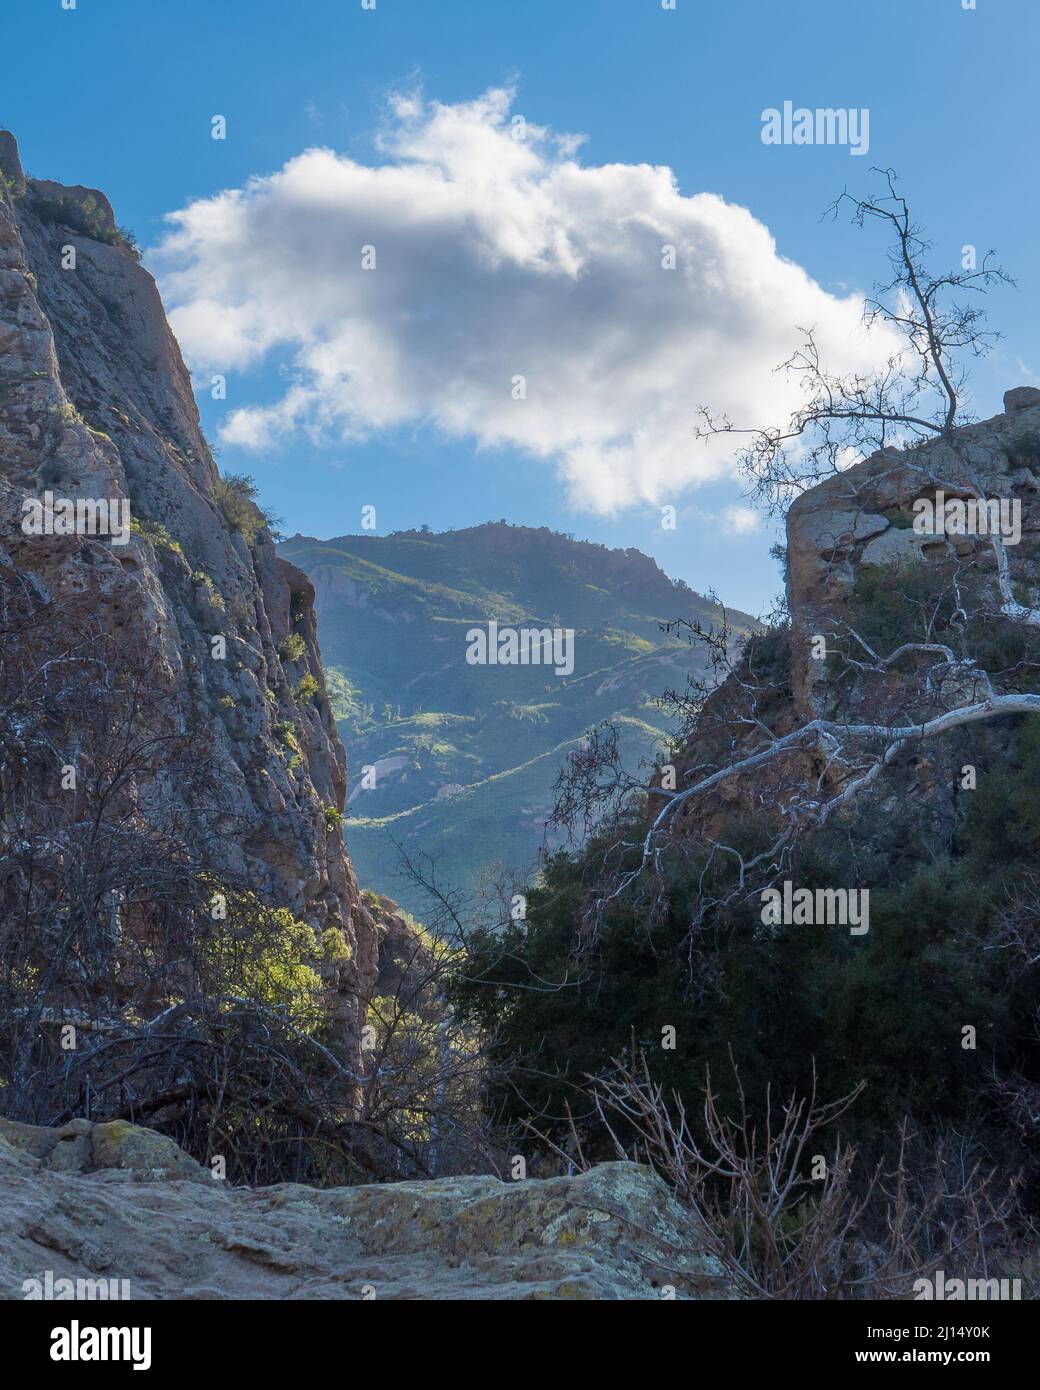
{"x": 119, "y": 95}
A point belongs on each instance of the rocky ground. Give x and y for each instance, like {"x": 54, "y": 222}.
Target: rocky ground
{"x": 112, "y": 1201}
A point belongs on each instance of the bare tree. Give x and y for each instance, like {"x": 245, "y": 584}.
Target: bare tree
{"x": 917, "y": 392}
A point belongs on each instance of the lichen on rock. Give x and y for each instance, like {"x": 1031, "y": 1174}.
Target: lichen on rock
{"x": 140, "y": 1210}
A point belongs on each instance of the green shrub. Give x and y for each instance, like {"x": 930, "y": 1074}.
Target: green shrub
{"x": 129, "y": 240}
{"x": 292, "y": 648}
{"x": 155, "y": 532}
{"x": 886, "y": 1008}
{"x": 84, "y": 214}
{"x": 285, "y": 733}
{"x": 202, "y": 578}
{"x": 235, "y": 495}
{"x": 307, "y": 689}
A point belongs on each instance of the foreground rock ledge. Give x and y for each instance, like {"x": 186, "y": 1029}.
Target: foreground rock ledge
{"x": 113, "y": 1201}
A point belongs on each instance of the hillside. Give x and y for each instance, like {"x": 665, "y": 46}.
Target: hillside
{"x": 465, "y": 756}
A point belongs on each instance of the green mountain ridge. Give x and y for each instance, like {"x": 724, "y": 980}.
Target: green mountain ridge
{"x": 463, "y": 757}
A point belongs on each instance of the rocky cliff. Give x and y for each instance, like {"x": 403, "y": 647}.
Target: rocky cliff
{"x": 862, "y": 520}
{"x": 96, "y": 406}
{"x": 865, "y": 577}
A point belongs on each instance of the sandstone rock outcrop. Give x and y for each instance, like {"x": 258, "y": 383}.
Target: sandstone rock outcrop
{"x": 95, "y": 402}
{"x": 172, "y": 1232}
{"x": 82, "y": 1147}
{"x": 857, "y": 524}
{"x": 864, "y": 517}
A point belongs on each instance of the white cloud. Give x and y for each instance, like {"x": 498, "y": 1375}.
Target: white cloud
{"x": 741, "y": 521}
{"x": 499, "y": 258}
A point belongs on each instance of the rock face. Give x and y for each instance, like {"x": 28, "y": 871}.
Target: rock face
{"x": 864, "y": 517}
{"x": 113, "y": 1202}
{"x": 95, "y": 402}
{"x": 860, "y": 524}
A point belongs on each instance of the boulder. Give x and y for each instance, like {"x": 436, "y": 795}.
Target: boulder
{"x": 82, "y": 1147}
{"x": 143, "y": 1212}
{"x": 1021, "y": 398}
{"x": 899, "y": 547}
{"x": 149, "y": 1156}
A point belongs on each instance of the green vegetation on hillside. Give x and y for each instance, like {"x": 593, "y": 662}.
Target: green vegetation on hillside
{"x": 928, "y": 1020}
{"x": 466, "y": 756}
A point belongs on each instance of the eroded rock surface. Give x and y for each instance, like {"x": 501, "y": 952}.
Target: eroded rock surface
{"x": 115, "y": 1202}
{"x": 96, "y": 403}
{"x": 856, "y": 525}
{"x": 864, "y": 517}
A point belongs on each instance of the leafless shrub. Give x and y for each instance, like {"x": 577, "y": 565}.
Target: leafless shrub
{"x": 781, "y": 1198}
